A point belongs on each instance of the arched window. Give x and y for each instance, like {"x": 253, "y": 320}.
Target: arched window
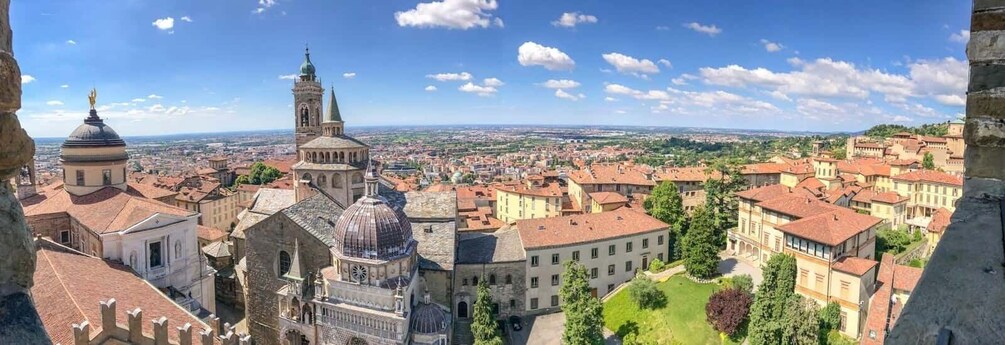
{"x": 304, "y": 117}
{"x": 307, "y": 176}
{"x": 462, "y": 309}
{"x": 492, "y": 279}
{"x": 509, "y": 279}
{"x": 321, "y": 180}
{"x": 284, "y": 263}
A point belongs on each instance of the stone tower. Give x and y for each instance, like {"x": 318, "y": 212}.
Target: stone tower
{"x": 307, "y": 93}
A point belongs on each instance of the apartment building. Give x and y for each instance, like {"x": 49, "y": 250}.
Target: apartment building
{"x": 928, "y": 190}
{"x": 834, "y": 246}
{"x": 532, "y": 199}
{"x": 621, "y": 179}
{"x": 612, "y": 245}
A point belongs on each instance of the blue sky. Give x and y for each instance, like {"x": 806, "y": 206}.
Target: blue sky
{"x": 208, "y": 66}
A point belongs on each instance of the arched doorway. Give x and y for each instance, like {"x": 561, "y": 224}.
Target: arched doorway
{"x": 462, "y": 309}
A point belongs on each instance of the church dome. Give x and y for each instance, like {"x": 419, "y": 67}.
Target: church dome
{"x": 93, "y": 133}
{"x": 307, "y": 68}
{"x": 428, "y": 318}
{"x": 372, "y": 229}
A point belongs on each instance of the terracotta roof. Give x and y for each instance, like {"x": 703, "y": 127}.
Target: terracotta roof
{"x": 605, "y": 198}
{"x": 284, "y": 164}
{"x": 688, "y": 174}
{"x": 106, "y": 210}
{"x": 889, "y": 198}
{"x": 854, "y": 265}
{"x": 610, "y": 174}
{"x": 804, "y": 168}
{"x": 766, "y": 193}
{"x": 150, "y": 192}
{"x": 585, "y": 228}
{"x": 940, "y": 220}
{"x": 830, "y": 228}
{"x": 439, "y": 187}
{"x": 210, "y": 234}
{"x": 763, "y": 168}
{"x": 798, "y": 205}
{"x": 930, "y": 176}
{"x": 480, "y": 219}
{"x": 545, "y": 190}
{"x": 69, "y": 286}
{"x": 865, "y": 196}
{"x": 883, "y": 306}
{"x": 205, "y": 171}
{"x": 476, "y": 192}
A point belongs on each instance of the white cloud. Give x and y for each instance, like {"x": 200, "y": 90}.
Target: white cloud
{"x": 153, "y": 96}
{"x": 960, "y": 37}
{"x": 618, "y": 89}
{"x": 54, "y": 103}
{"x": 678, "y": 81}
{"x": 954, "y": 100}
{"x": 65, "y": 86}
{"x": 451, "y": 14}
{"x": 288, "y": 77}
{"x": 570, "y": 19}
{"x": 493, "y": 82}
{"x": 565, "y": 95}
{"x": 610, "y": 99}
{"x": 627, "y": 64}
{"x": 710, "y": 30}
{"x": 666, "y": 63}
{"x": 945, "y": 80}
{"x": 71, "y": 42}
{"x": 533, "y": 54}
{"x": 430, "y": 88}
{"x": 264, "y": 5}
{"x": 463, "y": 76}
{"x": 27, "y": 78}
{"x": 349, "y": 75}
{"x": 138, "y": 100}
{"x": 771, "y": 47}
{"x": 186, "y": 19}
{"x": 901, "y": 118}
{"x": 477, "y": 89}
{"x": 164, "y": 23}
{"x": 560, "y": 84}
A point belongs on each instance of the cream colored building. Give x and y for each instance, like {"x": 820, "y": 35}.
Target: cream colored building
{"x": 621, "y": 179}
{"x": 928, "y": 190}
{"x": 528, "y": 201}
{"x": 612, "y": 246}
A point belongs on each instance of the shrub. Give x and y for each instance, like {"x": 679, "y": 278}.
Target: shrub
{"x": 830, "y": 316}
{"x": 727, "y": 310}
{"x": 657, "y": 266}
{"x": 744, "y": 282}
{"x": 645, "y": 294}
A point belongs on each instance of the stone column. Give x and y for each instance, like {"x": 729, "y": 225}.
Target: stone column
{"x": 19, "y": 321}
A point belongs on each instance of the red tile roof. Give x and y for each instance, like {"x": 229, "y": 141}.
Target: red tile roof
{"x": 762, "y": 168}
{"x": 585, "y": 228}
{"x": 69, "y": 286}
{"x": 104, "y": 211}
{"x": 832, "y": 227}
{"x": 883, "y": 306}
{"x": 209, "y": 233}
{"x": 854, "y": 265}
{"x": 605, "y": 198}
{"x": 686, "y": 174}
{"x": 930, "y": 176}
{"x": 151, "y": 192}
{"x": 940, "y": 220}
{"x": 768, "y": 192}
{"x": 610, "y": 174}
{"x": 545, "y": 190}
{"x": 889, "y": 198}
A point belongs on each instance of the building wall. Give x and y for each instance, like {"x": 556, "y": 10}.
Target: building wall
{"x": 892, "y": 214}
{"x": 94, "y": 173}
{"x": 345, "y": 186}
{"x": 264, "y": 242}
{"x": 220, "y": 213}
{"x": 604, "y": 283}
{"x": 925, "y": 197}
{"x": 511, "y": 207}
{"x": 466, "y": 291}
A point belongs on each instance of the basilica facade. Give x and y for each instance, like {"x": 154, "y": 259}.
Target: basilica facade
{"x": 352, "y": 261}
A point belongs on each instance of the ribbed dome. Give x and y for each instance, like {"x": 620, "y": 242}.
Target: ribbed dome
{"x": 428, "y": 318}
{"x": 372, "y": 229}
{"x": 307, "y": 68}
{"x": 93, "y": 133}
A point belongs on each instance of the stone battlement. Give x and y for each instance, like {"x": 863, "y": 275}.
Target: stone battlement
{"x": 111, "y": 332}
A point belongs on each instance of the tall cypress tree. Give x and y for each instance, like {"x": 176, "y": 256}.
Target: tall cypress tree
{"x": 584, "y": 315}
{"x": 484, "y": 325}
{"x": 700, "y": 248}
{"x": 666, "y": 204}
{"x": 768, "y": 313}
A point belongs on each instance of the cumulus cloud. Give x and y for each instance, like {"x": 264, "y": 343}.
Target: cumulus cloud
{"x": 610, "y": 99}
{"x": 771, "y": 47}
{"x": 560, "y": 84}
{"x": 264, "y": 5}
{"x": 963, "y": 36}
{"x": 164, "y": 23}
{"x": 349, "y": 75}
{"x": 570, "y": 19}
{"x": 71, "y": 42}
{"x": 478, "y": 89}
{"x": 186, "y": 19}
{"x": 710, "y": 30}
{"x": 451, "y": 14}
{"x": 493, "y": 82}
{"x": 945, "y": 80}
{"x": 288, "y": 77}
{"x": 138, "y": 100}
{"x": 533, "y": 54}
{"x": 27, "y": 78}
{"x": 666, "y": 63}
{"x": 65, "y": 86}
{"x": 565, "y": 95}
{"x": 463, "y": 76}
{"x": 711, "y": 102}
{"x": 627, "y": 64}
{"x": 153, "y": 96}
{"x": 54, "y": 103}
{"x": 430, "y": 88}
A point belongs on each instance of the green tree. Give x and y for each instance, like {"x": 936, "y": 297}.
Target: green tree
{"x": 928, "y": 162}
{"x": 892, "y": 241}
{"x": 243, "y": 179}
{"x": 584, "y": 315}
{"x": 744, "y": 282}
{"x": 657, "y": 266}
{"x": 767, "y": 314}
{"x": 483, "y": 325}
{"x": 260, "y": 174}
{"x": 644, "y": 292}
{"x": 701, "y": 250}
{"x": 801, "y": 324}
{"x": 666, "y": 204}
{"x": 830, "y": 316}
{"x": 720, "y": 197}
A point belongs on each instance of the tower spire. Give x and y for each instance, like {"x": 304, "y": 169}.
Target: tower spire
{"x": 333, "y": 115}
{"x": 371, "y": 179}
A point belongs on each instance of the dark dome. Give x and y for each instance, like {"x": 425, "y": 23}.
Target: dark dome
{"x": 428, "y": 318}
{"x": 93, "y": 133}
{"x": 371, "y": 229}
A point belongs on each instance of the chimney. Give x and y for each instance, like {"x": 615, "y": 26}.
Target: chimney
{"x": 160, "y": 331}
{"x": 185, "y": 334}
{"x": 82, "y": 333}
{"x": 835, "y": 216}
{"x": 135, "y": 326}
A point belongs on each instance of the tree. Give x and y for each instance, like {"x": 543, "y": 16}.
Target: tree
{"x": 744, "y": 282}
{"x": 767, "y": 314}
{"x": 645, "y": 294}
{"x": 483, "y": 325}
{"x": 260, "y": 174}
{"x": 928, "y": 162}
{"x": 700, "y": 247}
{"x": 801, "y": 324}
{"x": 666, "y": 204}
{"x": 892, "y": 241}
{"x": 657, "y": 266}
{"x": 720, "y": 197}
{"x": 727, "y": 309}
{"x": 830, "y": 317}
{"x": 584, "y": 315}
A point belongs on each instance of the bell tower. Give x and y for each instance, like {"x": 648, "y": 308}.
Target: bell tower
{"x": 307, "y": 93}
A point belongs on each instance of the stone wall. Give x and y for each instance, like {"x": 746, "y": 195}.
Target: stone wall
{"x": 501, "y": 292}
{"x": 265, "y": 240}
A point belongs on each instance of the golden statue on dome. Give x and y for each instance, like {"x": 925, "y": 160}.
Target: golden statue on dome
{"x": 91, "y": 97}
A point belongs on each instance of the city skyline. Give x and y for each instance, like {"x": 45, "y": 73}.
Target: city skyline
{"x": 189, "y": 66}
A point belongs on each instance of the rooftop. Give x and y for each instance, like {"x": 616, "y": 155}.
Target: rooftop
{"x": 585, "y": 228}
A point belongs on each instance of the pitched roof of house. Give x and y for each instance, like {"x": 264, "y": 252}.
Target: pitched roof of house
{"x": 930, "y": 176}
{"x": 605, "y": 198}
{"x": 545, "y": 190}
{"x": 884, "y": 310}
{"x": 940, "y": 220}
{"x": 831, "y": 228}
{"x": 481, "y": 248}
{"x": 854, "y": 265}
{"x": 889, "y": 197}
{"x": 107, "y": 210}
{"x": 209, "y": 233}
{"x": 150, "y": 192}
{"x": 585, "y": 228}
{"x": 610, "y": 174}
{"x": 685, "y": 174}
{"x": 69, "y": 286}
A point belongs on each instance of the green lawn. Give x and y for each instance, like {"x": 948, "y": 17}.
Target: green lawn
{"x": 680, "y": 321}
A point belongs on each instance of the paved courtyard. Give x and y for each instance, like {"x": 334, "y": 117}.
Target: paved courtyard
{"x": 546, "y": 330}
{"x": 732, "y": 266}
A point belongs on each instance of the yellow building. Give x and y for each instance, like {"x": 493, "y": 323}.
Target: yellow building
{"x": 927, "y": 191}
{"x": 607, "y": 201}
{"x": 621, "y": 179}
{"x": 935, "y": 229}
{"x": 218, "y": 208}
{"x": 528, "y": 201}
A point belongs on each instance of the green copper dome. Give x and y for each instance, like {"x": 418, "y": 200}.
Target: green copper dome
{"x": 307, "y": 68}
